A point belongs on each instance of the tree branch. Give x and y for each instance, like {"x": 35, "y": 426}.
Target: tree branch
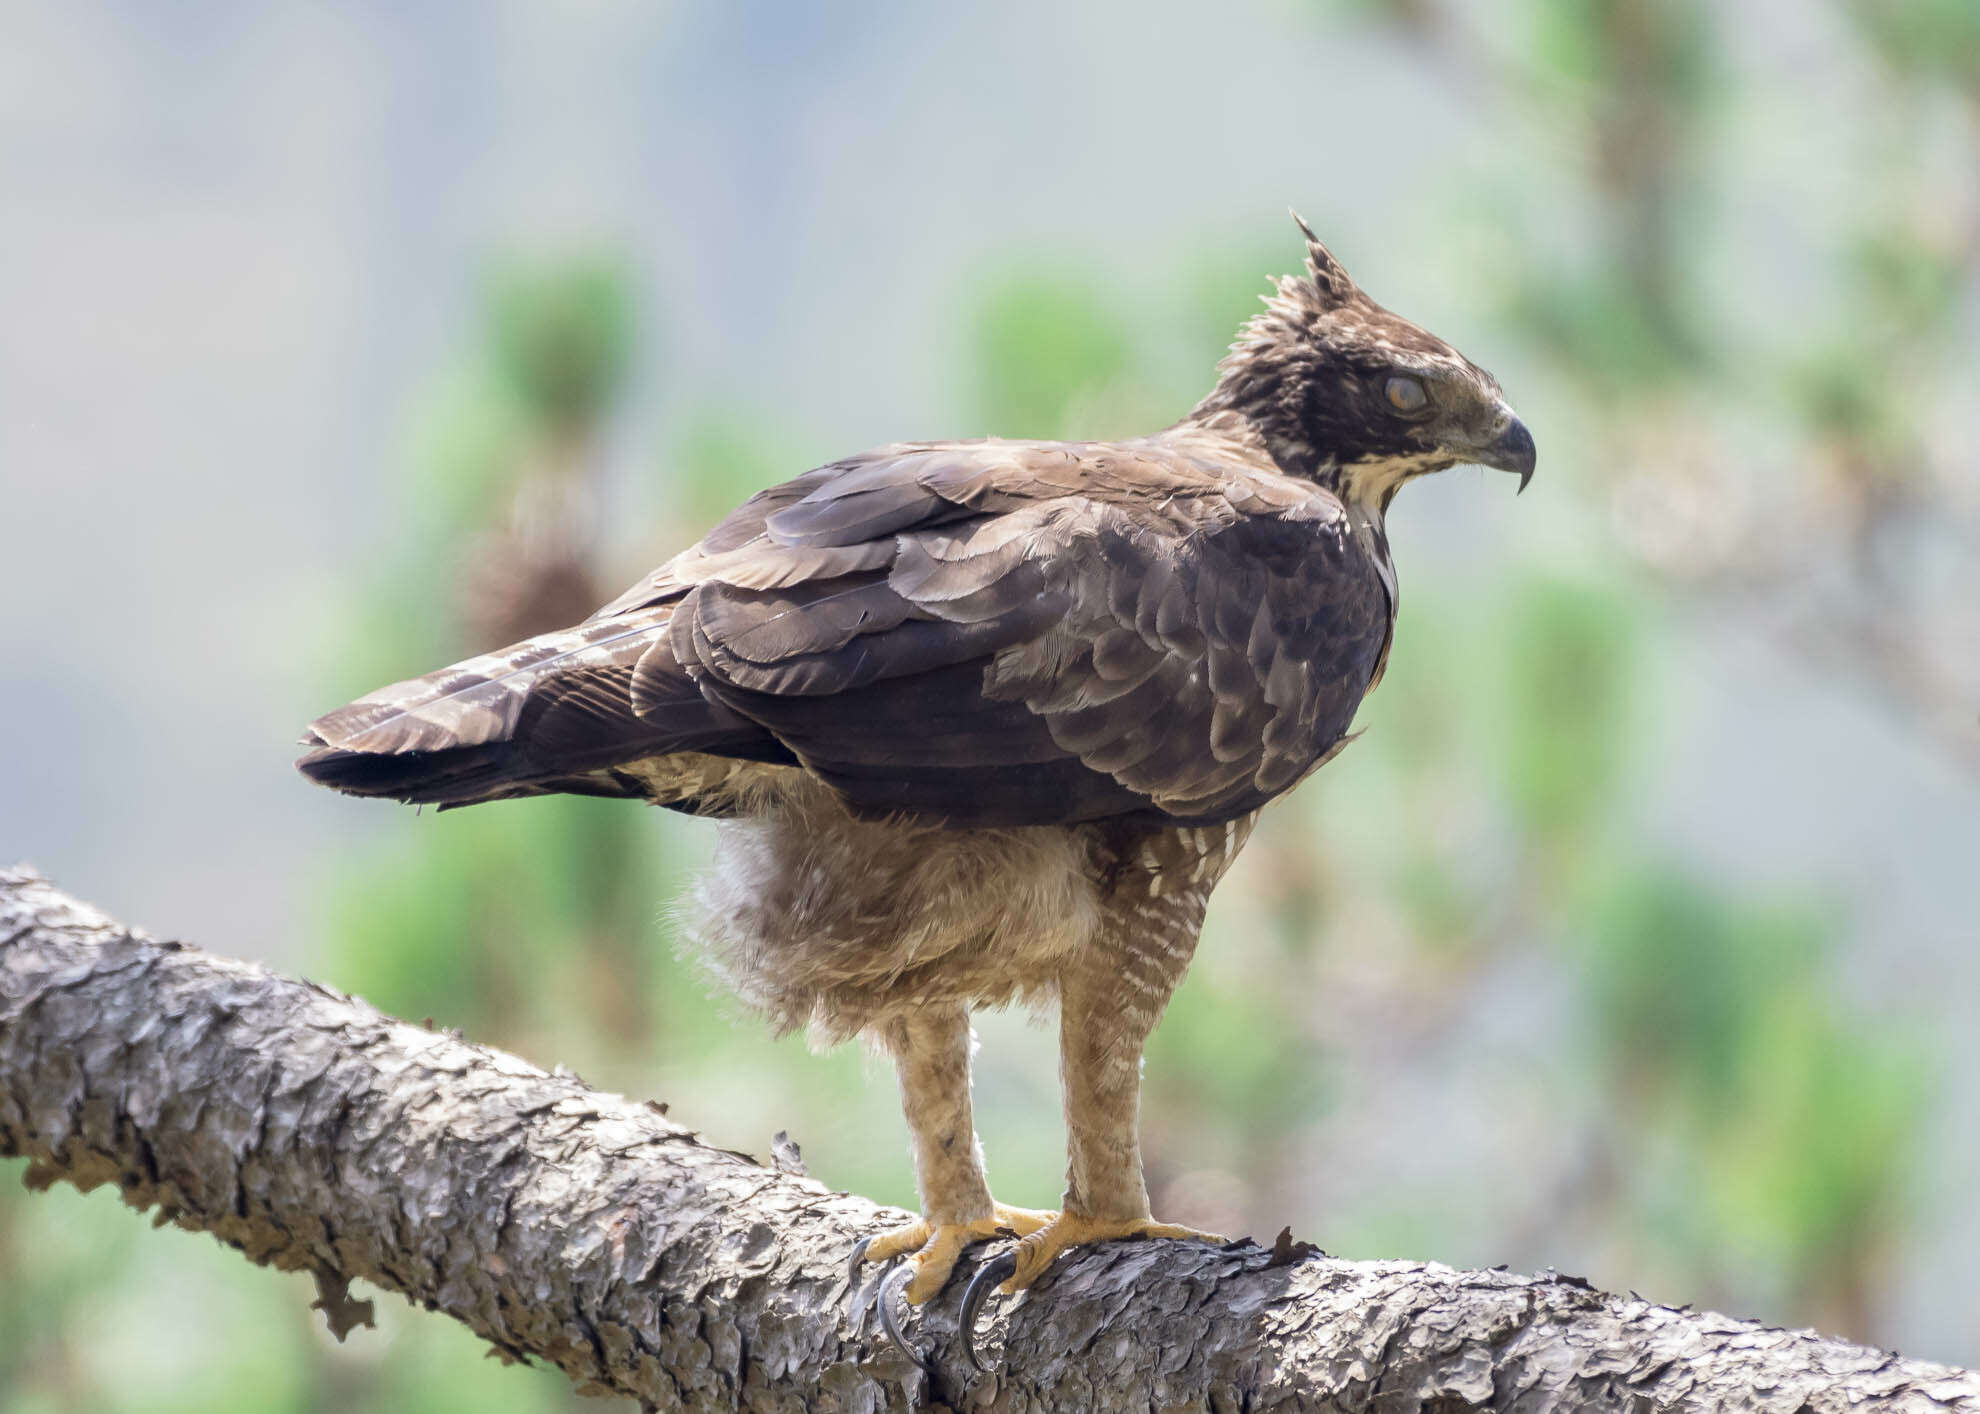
{"x": 313, "y": 1133}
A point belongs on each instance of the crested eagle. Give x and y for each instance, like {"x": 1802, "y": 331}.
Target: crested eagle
{"x": 986, "y": 721}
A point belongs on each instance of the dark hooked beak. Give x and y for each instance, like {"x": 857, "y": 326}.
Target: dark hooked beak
{"x": 1512, "y": 450}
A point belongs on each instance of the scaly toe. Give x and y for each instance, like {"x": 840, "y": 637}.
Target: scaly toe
{"x": 896, "y": 1242}
{"x": 936, "y": 1261}
{"x": 933, "y": 1263}
{"x": 1039, "y": 1250}
{"x": 1024, "y": 1221}
{"x": 933, "y": 1249}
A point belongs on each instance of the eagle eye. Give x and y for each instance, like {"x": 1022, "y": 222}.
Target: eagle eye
{"x": 1406, "y": 395}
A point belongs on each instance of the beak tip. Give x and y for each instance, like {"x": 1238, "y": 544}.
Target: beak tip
{"x": 1513, "y": 451}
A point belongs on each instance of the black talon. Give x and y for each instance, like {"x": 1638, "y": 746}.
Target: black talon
{"x": 859, "y": 1300}
{"x": 890, "y": 1292}
{"x": 998, "y": 1269}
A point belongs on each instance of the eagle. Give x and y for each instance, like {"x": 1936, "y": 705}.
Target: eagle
{"x": 983, "y": 722}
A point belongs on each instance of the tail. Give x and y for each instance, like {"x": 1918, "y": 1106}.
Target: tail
{"x": 465, "y": 775}
{"x": 553, "y": 714}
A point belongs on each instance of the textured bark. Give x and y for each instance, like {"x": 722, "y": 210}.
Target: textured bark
{"x": 315, "y": 1134}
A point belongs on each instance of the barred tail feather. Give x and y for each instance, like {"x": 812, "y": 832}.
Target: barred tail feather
{"x": 461, "y": 775}
{"x": 552, "y": 714}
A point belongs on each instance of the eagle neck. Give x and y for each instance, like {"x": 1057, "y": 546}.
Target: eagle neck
{"x": 1371, "y": 533}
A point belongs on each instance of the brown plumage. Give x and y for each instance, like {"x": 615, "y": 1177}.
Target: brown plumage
{"x": 986, "y": 721}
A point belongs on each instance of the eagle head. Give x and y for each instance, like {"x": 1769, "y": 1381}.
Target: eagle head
{"x": 1358, "y": 398}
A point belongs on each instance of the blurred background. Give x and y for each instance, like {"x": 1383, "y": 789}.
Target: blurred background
{"x": 1638, "y": 937}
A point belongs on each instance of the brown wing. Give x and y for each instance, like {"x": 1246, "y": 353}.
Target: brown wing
{"x": 986, "y": 633}
{"x": 1013, "y": 633}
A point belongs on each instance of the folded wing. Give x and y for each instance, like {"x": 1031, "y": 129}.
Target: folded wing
{"x": 989, "y": 633}
{"x": 1056, "y": 632}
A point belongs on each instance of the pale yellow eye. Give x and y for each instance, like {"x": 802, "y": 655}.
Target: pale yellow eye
{"x": 1406, "y": 395}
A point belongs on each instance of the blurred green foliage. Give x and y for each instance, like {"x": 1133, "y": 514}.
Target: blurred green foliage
{"x": 1927, "y": 39}
{"x": 1566, "y": 663}
{"x": 1722, "y": 1032}
{"x": 560, "y": 337}
{"x": 1044, "y": 345}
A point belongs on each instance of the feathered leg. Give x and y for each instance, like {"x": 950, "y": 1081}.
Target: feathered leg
{"x": 931, "y": 1054}
{"x": 1111, "y": 996}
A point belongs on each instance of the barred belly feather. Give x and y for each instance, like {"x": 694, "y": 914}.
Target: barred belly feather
{"x": 831, "y": 923}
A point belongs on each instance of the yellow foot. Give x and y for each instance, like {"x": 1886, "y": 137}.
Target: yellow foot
{"x": 938, "y": 1246}
{"x": 1067, "y": 1230}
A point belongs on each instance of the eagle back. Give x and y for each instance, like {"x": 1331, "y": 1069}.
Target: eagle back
{"x": 1034, "y": 633}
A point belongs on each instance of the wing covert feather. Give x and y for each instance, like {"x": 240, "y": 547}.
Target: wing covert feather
{"x": 1025, "y": 633}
